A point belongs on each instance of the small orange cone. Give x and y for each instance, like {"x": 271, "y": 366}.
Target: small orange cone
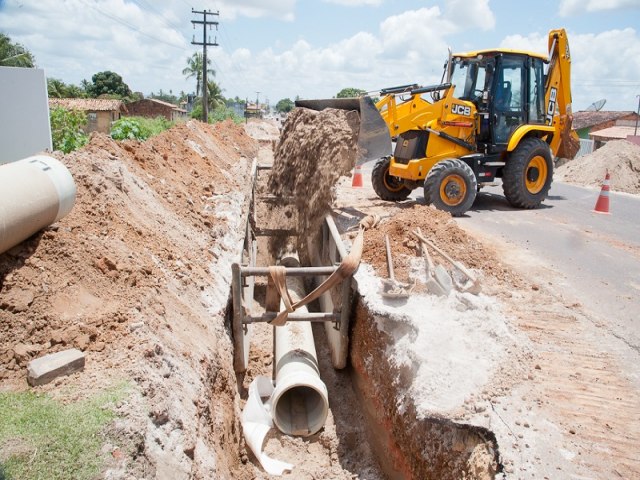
{"x": 602, "y": 205}
{"x": 357, "y": 177}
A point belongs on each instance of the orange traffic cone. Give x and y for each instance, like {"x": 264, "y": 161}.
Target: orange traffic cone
{"x": 357, "y": 176}
{"x": 602, "y": 205}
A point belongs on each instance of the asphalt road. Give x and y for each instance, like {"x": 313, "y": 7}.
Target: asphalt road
{"x": 590, "y": 257}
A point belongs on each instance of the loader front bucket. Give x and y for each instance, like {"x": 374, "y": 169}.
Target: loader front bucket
{"x": 374, "y": 140}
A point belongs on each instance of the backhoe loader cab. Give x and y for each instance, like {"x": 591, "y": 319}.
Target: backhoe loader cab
{"x": 500, "y": 113}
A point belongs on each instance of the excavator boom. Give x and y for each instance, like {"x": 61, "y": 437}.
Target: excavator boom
{"x": 565, "y": 142}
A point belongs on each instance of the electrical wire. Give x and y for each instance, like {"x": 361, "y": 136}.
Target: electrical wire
{"x": 151, "y": 9}
{"x": 132, "y": 27}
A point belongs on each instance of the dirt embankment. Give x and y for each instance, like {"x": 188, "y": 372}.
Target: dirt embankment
{"x": 619, "y": 157}
{"x": 132, "y": 277}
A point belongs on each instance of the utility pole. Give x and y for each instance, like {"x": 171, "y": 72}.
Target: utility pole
{"x": 635, "y": 133}
{"x": 205, "y": 42}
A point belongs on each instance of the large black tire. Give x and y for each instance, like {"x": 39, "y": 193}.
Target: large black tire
{"x": 451, "y": 186}
{"x": 527, "y": 175}
{"x": 386, "y": 186}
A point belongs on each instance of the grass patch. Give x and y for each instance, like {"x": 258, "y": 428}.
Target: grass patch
{"x": 42, "y": 438}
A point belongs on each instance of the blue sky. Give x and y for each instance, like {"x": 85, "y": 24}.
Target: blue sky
{"x": 314, "y": 48}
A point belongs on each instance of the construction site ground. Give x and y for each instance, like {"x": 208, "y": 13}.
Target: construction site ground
{"x": 138, "y": 277}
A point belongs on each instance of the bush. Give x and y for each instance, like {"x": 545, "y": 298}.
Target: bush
{"x": 223, "y": 113}
{"x": 66, "y": 129}
{"x": 139, "y": 128}
{"x": 219, "y": 114}
{"x": 128, "y": 129}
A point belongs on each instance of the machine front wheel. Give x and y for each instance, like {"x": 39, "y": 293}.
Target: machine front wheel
{"x": 451, "y": 186}
{"x": 386, "y": 186}
{"x": 528, "y": 173}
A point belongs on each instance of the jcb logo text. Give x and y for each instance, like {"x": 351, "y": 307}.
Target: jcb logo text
{"x": 461, "y": 110}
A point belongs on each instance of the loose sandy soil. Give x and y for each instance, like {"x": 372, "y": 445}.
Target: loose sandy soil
{"x": 619, "y": 157}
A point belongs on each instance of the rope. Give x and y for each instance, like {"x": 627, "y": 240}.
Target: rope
{"x": 347, "y": 267}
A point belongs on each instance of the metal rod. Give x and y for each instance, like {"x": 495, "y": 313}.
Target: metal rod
{"x": 294, "y": 271}
{"x": 293, "y": 317}
{"x": 336, "y": 236}
{"x": 237, "y": 327}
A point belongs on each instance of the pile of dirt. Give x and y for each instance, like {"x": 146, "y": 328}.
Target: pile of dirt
{"x": 440, "y": 228}
{"x": 619, "y": 157}
{"x": 132, "y": 277}
{"x": 315, "y": 149}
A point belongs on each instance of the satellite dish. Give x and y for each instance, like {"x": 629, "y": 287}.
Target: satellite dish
{"x": 597, "y": 106}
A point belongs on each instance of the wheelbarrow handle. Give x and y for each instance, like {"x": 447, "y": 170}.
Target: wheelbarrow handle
{"x": 389, "y": 259}
{"x": 457, "y": 265}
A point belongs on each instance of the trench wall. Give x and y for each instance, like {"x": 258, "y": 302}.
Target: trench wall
{"x": 411, "y": 448}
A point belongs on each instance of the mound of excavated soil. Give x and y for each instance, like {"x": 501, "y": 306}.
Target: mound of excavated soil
{"x": 442, "y": 230}
{"x": 132, "y": 276}
{"x": 315, "y": 149}
{"x": 620, "y": 157}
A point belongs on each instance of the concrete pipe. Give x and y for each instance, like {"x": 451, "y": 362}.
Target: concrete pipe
{"x": 34, "y": 193}
{"x": 300, "y": 402}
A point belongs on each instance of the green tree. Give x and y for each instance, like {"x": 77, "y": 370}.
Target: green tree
{"x": 58, "y": 89}
{"x": 350, "y": 93}
{"x": 14, "y": 54}
{"x": 215, "y": 98}
{"x": 194, "y": 69}
{"x": 285, "y": 105}
{"x": 109, "y": 83}
{"x": 66, "y": 129}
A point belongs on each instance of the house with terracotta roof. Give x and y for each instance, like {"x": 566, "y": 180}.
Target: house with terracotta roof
{"x": 101, "y": 112}
{"x": 152, "y": 108}
{"x": 587, "y": 122}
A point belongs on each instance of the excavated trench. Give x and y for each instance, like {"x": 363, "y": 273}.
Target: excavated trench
{"x": 373, "y": 429}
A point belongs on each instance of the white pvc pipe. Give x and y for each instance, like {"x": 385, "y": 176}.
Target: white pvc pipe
{"x": 34, "y": 193}
{"x": 300, "y": 401}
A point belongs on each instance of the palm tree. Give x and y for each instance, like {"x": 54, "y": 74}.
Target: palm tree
{"x": 14, "y": 54}
{"x": 194, "y": 69}
{"x": 214, "y": 95}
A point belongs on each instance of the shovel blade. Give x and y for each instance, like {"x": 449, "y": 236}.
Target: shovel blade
{"x": 374, "y": 140}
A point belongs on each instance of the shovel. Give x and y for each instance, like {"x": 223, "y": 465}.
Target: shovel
{"x": 471, "y": 284}
{"x": 391, "y": 287}
{"x": 438, "y": 279}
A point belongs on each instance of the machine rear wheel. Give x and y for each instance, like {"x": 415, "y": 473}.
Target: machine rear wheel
{"x": 386, "y": 186}
{"x": 451, "y": 186}
{"x": 528, "y": 173}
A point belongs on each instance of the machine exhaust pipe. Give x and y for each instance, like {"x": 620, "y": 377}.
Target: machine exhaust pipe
{"x": 300, "y": 401}
{"x": 34, "y": 193}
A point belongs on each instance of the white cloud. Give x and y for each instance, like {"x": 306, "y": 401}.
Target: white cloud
{"x": 575, "y": 7}
{"x": 280, "y": 9}
{"x": 469, "y": 14}
{"x": 355, "y": 3}
{"x": 600, "y": 65}
{"x": 409, "y": 47}
{"x": 420, "y": 32}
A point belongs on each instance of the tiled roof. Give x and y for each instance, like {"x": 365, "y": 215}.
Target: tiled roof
{"x": 161, "y": 102}
{"x": 586, "y": 119}
{"x": 88, "y": 104}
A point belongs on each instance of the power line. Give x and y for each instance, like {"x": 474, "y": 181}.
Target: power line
{"x": 132, "y": 27}
{"x": 151, "y": 9}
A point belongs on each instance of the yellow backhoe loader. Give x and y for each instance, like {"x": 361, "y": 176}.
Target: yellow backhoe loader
{"x": 498, "y": 113}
